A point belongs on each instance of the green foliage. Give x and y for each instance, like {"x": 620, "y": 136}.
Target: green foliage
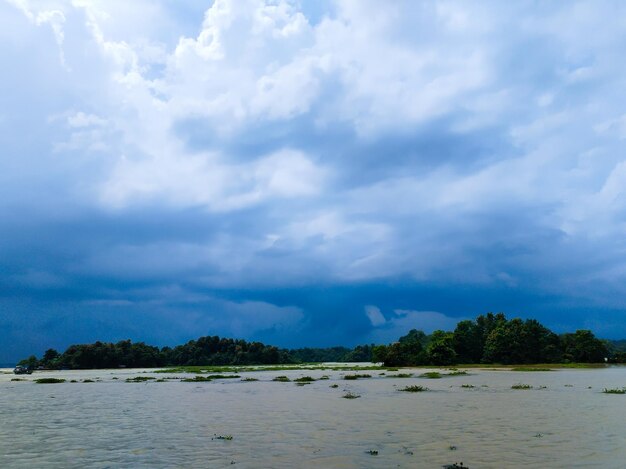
{"x": 49, "y": 381}
{"x": 431, "y": 375}
{"x": 197, "y": 379}
{"x": 614, "y": 391}
{"x": 521, "y": 386}
{"x": 440, "y": 350}
{"x": 350, "y": 395}
{"x": 414, "y": 388}
{"x": 281, "y": 379}
{"x": 139, "y": 379}
{"x": 356, "y": 376}
{"x": 583, "y": 347}
{"x": 304, "y": 379}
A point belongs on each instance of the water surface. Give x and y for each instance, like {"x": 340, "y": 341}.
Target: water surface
{"x": 564, "y": 421}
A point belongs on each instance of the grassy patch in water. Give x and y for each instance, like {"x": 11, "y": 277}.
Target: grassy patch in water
{"x": 249, "y": 379}
{"x": 521, "y": 386}
{"x": 282, "y": 379}
{"x": 356, "y": 376}
{"x": 334, "y": 386}
{"x": 88, "y": 381}
{"x": 49, "y": 380}
{"x": 414, "y": 388}
{"x": 197, "y": 379}
{"x": 139, "y": 379}
{"x": 467, "y": 386}
{"x": 350, "y": 395}
{"x": 401, "y": 375}
{"x": 18, "y": 379}
{"x": 431, "y": 375}
{"x": 222, "y": 437}
{"x": 614, "y": 391}
{"x": 530, "y": 368}
{"x": 304, "y": 379}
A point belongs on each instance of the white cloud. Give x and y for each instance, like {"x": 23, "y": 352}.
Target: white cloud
{"x": 374, "y": 315}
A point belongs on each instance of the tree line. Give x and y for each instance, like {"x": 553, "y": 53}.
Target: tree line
{"x": 493, "y": 339}
{"x": 490, "y": 338}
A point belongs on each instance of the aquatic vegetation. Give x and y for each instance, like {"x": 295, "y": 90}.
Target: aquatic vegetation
{"x": 521, "y": 386}
{"x": 115, "y": 377}
{"x": 333, "y": 386}
{"x": 325, "y": 377}
{"x": 249, "y": 379}
{"x": 401, "y": 375}
{"x": 414, "y": 388}
{"x": 139, "y": 379}
{"x": 372, "y": 452}
{"x": 452, "y": 448}
{"x": 304, "y": 379}
{"x": 568, "y": 385}
{"x": 431, "y": 375}
{"x": 18, "y": 379}
{"x": 350, "y": 395}
{"x": 614, "y": 391}
{"x": 467, "y": 386}
{"x": 530, "y": 368}
{"x": 356, "y": 376}
{"x": 49, "y": 380}
{"x": 281, "y": 379}
{"x": 222, "y": 437}
{"x": 88, "y": 381}
{"x": 456, "y": 373}
{"x": 197, "y": 379}
{"x": 455, "y": 465}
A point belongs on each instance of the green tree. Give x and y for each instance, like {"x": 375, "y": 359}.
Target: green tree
{"x": 440, "y": 349}
{"x": 583, "y": 347}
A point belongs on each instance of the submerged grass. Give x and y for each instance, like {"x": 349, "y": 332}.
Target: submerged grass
{"x": 248, "y": 368}
{"x": 196, "y": 379}
{"x": 614, "y": 391}
{"x": 350, "y": 395}
{"x": 139, "y": 379}
{"x": 431, "y": 375}
{"x": 356, "y": 376}
{"x": 521, "y": 386}
{"x": 401, "y": 375}
{"x": 414, "y": 388}
{"x": 304, "y": 379}
{"x": 49, "y": 380}
{"x": 282, "y": 379}
{"x": 531, "y": 368}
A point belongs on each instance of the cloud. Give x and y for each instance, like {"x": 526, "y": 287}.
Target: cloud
{"x": 374, "y": 315}
{"x": 248, "y": 150}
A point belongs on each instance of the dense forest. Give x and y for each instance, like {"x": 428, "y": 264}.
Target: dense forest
{"x": 491, "y": 338}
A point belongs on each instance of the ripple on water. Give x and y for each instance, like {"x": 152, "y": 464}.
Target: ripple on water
{"x": 173, "y": 424}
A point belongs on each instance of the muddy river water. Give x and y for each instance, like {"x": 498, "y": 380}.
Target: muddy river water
{"x": 563, "y": 421}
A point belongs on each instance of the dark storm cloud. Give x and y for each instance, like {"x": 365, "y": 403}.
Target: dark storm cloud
{"x": 335, "y": 174}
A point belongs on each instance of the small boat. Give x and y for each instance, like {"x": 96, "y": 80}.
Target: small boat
{"x": 22, "y": 370}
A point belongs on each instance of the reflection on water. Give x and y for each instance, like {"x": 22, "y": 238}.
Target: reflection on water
{"x": 111, "y": 423}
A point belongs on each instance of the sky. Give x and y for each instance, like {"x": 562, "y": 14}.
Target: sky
{"x": 308, "y": 173}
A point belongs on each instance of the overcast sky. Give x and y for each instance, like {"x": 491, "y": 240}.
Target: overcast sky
{"x": 308, "y": 172}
